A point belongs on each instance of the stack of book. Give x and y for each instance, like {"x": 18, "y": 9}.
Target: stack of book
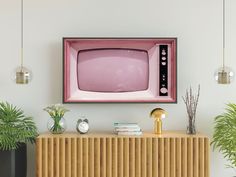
{"x": 127, "y": 129}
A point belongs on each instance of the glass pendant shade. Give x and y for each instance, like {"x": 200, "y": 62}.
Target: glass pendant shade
{"x": 22, "y": 75}
{"x": 224, "y": 75}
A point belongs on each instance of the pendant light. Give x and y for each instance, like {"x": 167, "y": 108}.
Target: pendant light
{"x": 224, "y": 75}
{"x": 22, "y": 74}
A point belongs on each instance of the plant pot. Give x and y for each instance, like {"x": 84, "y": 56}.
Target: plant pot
{"x": 13, "y": 163}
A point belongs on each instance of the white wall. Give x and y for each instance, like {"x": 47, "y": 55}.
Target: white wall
{"x": 196, "y": 23}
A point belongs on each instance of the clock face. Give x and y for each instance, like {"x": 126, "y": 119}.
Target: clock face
{"x": 83, "y": 127}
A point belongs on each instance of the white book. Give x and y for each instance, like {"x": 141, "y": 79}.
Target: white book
{"x": 133, "y": 129}
{"x": 129, "y": 133}
{"x": 129, "y": 128}
{"x": 126, "y": 125}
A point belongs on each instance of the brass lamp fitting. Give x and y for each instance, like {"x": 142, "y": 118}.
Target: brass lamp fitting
{"x": 22, "y": 77}
{"x": 158, "y": 114}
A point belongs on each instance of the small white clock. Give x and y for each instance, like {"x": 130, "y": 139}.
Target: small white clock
{"x": 82, "y": 126}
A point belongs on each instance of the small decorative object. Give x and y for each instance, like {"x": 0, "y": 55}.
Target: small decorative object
{"x": 191, "y": 102}
{"x": 224, "y": 75}
{"x": 22, "y": 74}
{"x": 56, "y": 124}
{"x": 82, "y": 126}
{"x": 127, "y": 129}
{"x": 119, "y": 70}
{"x": 224, "y": 134}
{"x": 158, "y": 114}
{"x": 16, "y": 129}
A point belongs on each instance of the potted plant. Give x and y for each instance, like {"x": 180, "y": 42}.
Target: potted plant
{"x": 224, "y": 136}
{"x": 56, "y": 124}
{"x": 16, "y": 130}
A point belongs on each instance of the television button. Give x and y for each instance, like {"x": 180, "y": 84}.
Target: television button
{"x": 163, "y": 58}
{"x": 163, "y": 52}
{"x": 163, "y": 63}
{"x": 164, "y": 90}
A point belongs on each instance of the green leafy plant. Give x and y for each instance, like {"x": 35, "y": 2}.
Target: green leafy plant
{"x": 15, "y": 127}
{"x": 56, "y": 112}
{"x": 224, "y": 137}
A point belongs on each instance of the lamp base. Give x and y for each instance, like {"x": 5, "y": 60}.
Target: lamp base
{"x": 158, "y": 126}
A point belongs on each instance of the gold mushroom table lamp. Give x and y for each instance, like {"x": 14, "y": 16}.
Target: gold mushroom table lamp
{"x": 158, "y": 114}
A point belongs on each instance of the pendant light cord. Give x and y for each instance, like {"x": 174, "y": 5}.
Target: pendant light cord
{"x": 223, "y": 34}
{"x": 22, "y": 33}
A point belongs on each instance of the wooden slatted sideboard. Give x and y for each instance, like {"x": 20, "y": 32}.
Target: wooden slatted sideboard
{"x": 172, "y": 154}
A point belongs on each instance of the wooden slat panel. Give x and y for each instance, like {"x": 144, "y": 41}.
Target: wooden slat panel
{"x": 103, "y": 157}
{"x": 126, "y": 157}
{"x": 114, "y": 157}
{"x": 172, "y": 157}
{"x": 207, "y": 156}
{"x": 184, "y": 163}
{"x": 167, "y": 157}
{"x": 138, "y": 157}
{"x": 97, "y": 157}
{"x": 50, "y": 157}
{"x": 155, "y": 163}
{"x": 201, "y": 158}
{"x": 161, "y": 156}
{"x": 195, "y": 158}
{"x": 56, "y": 157}
{"x": 39, "y": 151}
{"x": 178, "y": 157}
{"x": 45, "y": 157}
{"x": 91, "y": 157}
{"x": 109, "y": 157}
{"x": 149, "y": 157}
{"x": 62, "y": 155}
{"x": 143, "y": 157}
{"x": 68, "y": 156}
{"x": 190, "y": 157}
{"x": 122, "y": 157}
{"x": 85, "y": 157}
{"x": 73, "y": 157}
{"x": 80, "y": 157}
{"x": 132, "y": 157}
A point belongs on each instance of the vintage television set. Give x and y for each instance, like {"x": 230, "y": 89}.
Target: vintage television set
{"x": 119, "y": 70}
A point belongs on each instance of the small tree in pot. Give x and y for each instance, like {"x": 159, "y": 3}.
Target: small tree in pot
{"x": 16, "y": 130}
{"x": 224, "y": 137}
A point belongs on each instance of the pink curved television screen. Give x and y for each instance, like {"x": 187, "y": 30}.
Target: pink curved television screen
{"x": 119, "y": 70}
{"x": 113, "y": 70}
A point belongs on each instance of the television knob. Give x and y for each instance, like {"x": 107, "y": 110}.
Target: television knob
{"x": 163, "y": 52}
{"x": 163, "y": 58}
{"x": 164, "y": 90}
{"x": 163, "y": 63}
